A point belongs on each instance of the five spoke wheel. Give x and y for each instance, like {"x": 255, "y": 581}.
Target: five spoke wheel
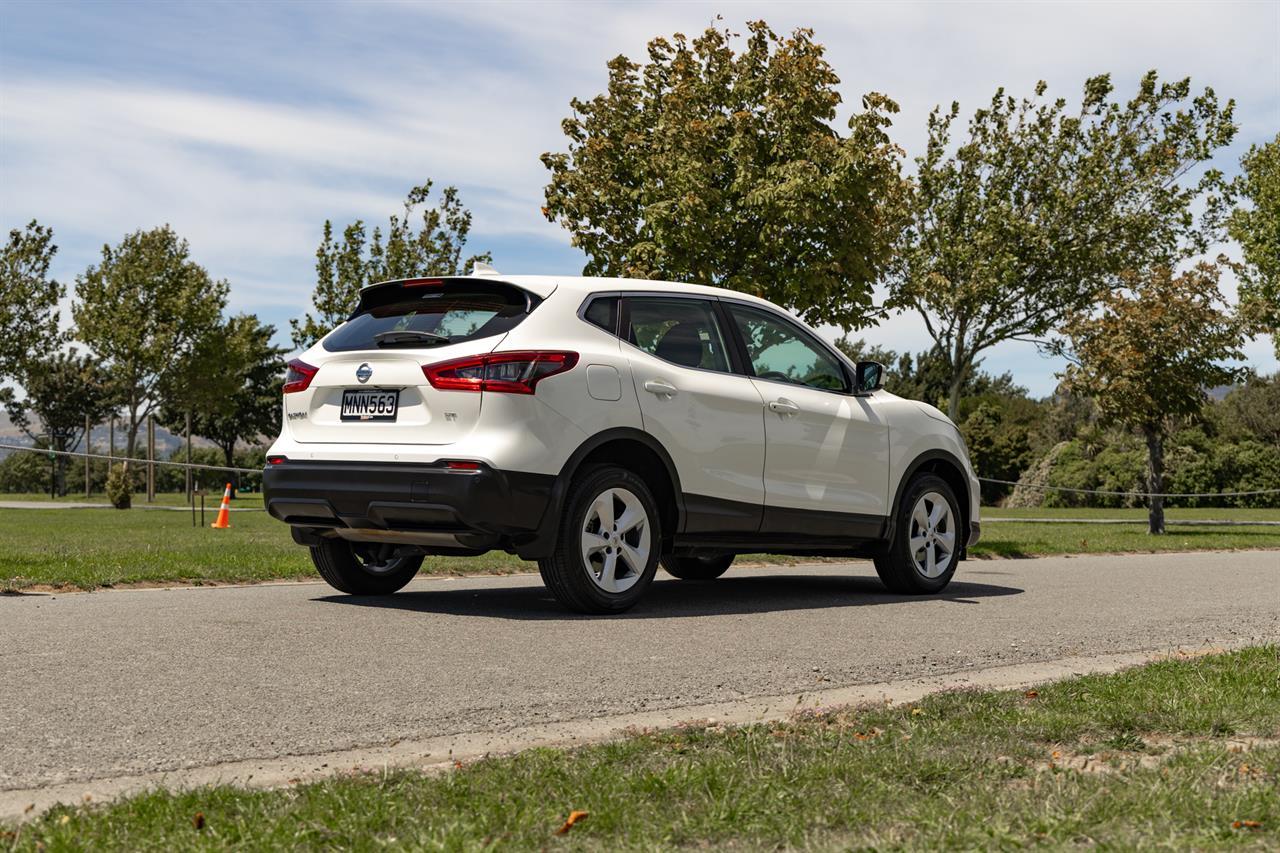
{"x": 615, "y": 539}
{"x": 933, "y": 535}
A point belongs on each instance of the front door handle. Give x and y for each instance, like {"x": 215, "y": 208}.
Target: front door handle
{"x": 783, "y": 406}
{"x": 660, "y": 387}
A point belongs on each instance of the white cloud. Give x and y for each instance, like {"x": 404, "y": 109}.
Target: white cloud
{"x": 246, "y": 127}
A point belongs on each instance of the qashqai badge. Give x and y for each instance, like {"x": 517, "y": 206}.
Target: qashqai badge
{"x": 364, "y": 372}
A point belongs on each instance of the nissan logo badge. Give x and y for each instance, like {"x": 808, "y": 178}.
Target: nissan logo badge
{"x": 363, "y": 372}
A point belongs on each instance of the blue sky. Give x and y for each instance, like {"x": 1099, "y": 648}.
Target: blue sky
{"x": 246, "y": 125}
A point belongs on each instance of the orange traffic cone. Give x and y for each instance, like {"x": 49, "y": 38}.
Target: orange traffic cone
{"x": 223, "y": 521}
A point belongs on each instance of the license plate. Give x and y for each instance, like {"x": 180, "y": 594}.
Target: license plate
{"x": 360, "y": 405}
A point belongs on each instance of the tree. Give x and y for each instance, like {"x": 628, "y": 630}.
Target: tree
{"x": 721, "y": 168}
{"x": 1039, "y": 210}
{"x": 435, "y": 248}
{"x": 28, "y": 297}
{"x": 1148, "y": 357}
{"x": 148, "y": 310}
{"x": 62, "y": 390}
{"x": 1257, "y": 230}
{"x": 249, "y": 407}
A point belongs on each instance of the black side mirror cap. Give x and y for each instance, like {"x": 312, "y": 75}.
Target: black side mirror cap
{"x": 868, "y": 376}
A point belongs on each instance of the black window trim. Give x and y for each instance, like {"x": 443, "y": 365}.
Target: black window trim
{"x": 617, "y": 313}
{"x": 736, "y": 366}
{"x": 739, "y": 358}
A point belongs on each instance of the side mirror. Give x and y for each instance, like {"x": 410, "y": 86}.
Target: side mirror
{"x": 868, "y": 377}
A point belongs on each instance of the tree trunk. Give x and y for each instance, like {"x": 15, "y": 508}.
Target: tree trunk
{"x": 229, "y": 453}
{"x": 953, "y": 397}
{"x": 191, "y": 498}
{"x": 1155, "y": 483}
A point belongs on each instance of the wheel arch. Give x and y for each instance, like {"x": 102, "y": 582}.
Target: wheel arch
{"x": 632, "y": 449}
{"x": 951, "y": 470}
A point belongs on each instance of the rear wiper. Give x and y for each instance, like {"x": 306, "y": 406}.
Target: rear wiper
{"x": 396, "y": 337}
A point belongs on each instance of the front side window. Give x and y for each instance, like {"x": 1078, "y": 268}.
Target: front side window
{"x": 681, "y": 331}
{"x": 781, "y": 352}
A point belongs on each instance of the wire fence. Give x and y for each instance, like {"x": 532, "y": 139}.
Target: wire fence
{"x": 1015, "y": 483}
{"x": 130, "y": 459}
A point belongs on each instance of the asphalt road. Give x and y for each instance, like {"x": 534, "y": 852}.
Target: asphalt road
{"x": 110, "y": 684}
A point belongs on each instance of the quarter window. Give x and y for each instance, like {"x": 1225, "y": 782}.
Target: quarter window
{"x": 781, "y": 352}
{"x": 603, "y": 312}
{"x": 681, "y": 331}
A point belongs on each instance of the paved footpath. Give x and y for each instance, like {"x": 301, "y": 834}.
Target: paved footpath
{"x": 105, "y": 685}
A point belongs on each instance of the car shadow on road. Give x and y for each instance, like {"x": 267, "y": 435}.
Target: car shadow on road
{"x": 669, "y": 598}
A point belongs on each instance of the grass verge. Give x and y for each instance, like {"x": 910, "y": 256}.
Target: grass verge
{"x": 91, "y": 548}
{"x": 1181, "y": 753}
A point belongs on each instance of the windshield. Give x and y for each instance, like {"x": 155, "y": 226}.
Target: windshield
{"x": 445, "y": 314}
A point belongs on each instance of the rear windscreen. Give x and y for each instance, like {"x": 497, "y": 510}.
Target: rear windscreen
{"x": 407, "y": 316}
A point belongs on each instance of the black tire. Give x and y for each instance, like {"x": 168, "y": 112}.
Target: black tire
{"x": 567, "y": 573}
{"x": 896, "y": 565}
{"x": 697, "y": 568}
{"x": 346, "y": 571}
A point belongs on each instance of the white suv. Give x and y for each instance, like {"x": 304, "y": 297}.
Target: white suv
{"x": 601, "y": 426}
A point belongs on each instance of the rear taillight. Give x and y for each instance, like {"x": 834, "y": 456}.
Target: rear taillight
{"x": 299, "y": 376}
{"x": 277, "y": 460}
{"x": 504, "y": 372}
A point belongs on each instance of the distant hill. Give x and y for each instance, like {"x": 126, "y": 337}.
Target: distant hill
{"x": 166, "y": 441}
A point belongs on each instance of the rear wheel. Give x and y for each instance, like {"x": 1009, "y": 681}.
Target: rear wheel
{"x": 697, "y": 568}
{"x": 356, "y": 569}
{"x": 926, "y": 542}
{"x": 606, "y": 550}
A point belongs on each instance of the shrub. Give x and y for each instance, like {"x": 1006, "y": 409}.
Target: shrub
{"x": 119, "y": 490}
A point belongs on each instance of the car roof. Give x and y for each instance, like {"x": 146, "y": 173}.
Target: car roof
{"x": 545, "y": 285}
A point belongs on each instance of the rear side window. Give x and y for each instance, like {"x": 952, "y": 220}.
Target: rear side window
{"x": 416, "y": 316}
{"x": 681, "y": 331}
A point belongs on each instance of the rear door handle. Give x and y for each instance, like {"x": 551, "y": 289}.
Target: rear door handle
{"x": 660, "y": 387}
{"x": 783, "y": 406}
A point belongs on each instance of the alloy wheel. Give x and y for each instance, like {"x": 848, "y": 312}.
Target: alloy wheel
{"x": 932, "y": 541}
{"x": 615, "y": 540}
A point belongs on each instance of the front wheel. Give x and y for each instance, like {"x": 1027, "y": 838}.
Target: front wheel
{"x": 925, "y": 549}
{"x": 697, "y": 568}
{"x": 356, "y": 570}
{"x": 607, "y": 547}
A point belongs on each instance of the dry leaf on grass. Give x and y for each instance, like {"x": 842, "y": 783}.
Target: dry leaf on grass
{"x": 574, "y": 817}
{"x": 1247, "y": 824}
{"x": 1031, "y": 694}
{"x": 198, "y": 820}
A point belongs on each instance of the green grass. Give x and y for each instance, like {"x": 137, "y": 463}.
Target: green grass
{"x": 212, "y": 497}
{"x": 1030, "y": 539}
{"x": 91, "y": 548}
{"x": 958, "y": 770}
{"x": 1138, "y": 513}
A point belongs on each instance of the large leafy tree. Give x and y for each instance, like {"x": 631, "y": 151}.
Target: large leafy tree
{"x": 1257, "y": 229}
{"x": 1149, "y": 356}
{"x": 28, "y": 298}
{"x": 246, "y": 405}
{"x": 717, "y": 167}
{"x": 425, "y": 240}
{"x": 151, "y": 313}
{"x": 61, "y": 389}
{"x": 1040, "y": 209}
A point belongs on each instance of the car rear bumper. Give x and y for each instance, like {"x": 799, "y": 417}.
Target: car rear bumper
{"x": 480, "y": 509}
